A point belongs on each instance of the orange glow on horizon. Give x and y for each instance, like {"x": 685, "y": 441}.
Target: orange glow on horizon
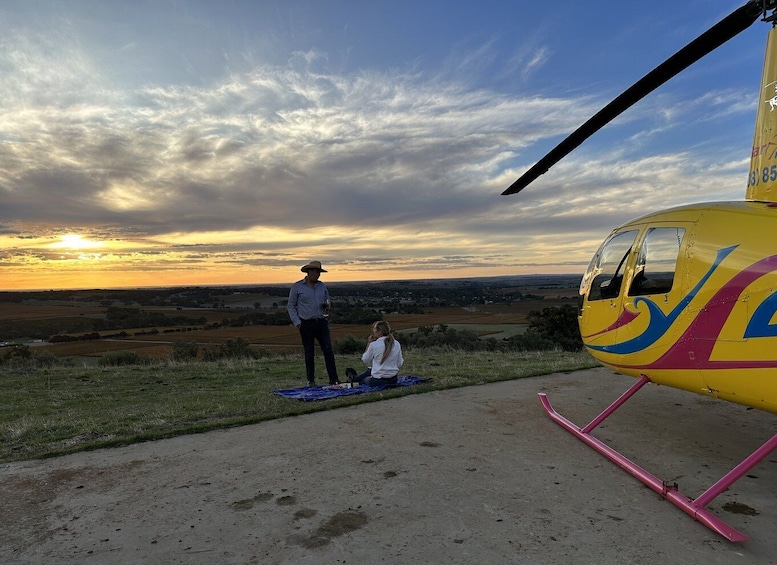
{"x": 75, "y": 279}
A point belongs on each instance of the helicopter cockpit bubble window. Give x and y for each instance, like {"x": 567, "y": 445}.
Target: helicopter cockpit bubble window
{"x": 604, "y": 276}
{"x": 657, "y": 261}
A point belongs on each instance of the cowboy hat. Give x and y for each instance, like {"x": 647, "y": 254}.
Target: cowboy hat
{"x": 313, "y": 265}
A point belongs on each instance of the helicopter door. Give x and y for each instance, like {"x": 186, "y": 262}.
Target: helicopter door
{"x": 601, "y": 290}
{"x": 653, "y": 277}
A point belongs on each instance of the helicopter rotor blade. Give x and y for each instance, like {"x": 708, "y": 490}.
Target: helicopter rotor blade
{"x": 736, "y": 22}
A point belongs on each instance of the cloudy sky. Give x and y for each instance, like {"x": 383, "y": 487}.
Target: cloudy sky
{"x": 172, "y": 142}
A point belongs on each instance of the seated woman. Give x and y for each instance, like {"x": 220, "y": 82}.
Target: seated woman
{"x": 383, "y": 357}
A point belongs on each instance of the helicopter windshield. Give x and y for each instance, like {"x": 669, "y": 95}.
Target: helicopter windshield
{"x": 605, "y": 273}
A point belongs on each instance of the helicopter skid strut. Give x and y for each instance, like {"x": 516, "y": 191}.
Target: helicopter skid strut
{"x": 695, "y": 508}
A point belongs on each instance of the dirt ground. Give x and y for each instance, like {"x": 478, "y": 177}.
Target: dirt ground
{"x": 473, "y": 475}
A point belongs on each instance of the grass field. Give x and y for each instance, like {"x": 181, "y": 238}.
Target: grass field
{"x": 58, "y": 410}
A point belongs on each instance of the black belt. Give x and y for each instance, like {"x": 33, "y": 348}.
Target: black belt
{"x": 312, "y": 319}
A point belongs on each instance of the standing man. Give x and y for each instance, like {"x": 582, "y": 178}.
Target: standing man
{"x": 309, "y": 311}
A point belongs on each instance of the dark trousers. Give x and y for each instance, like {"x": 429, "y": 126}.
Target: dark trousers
{"x": 367, "y": 379}
{"x": 309, "y": 331}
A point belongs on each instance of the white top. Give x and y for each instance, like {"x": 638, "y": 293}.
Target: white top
{"x": 374, "y": 354}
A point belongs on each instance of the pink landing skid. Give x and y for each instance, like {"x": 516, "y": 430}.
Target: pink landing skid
{"x": 694, "y": 508}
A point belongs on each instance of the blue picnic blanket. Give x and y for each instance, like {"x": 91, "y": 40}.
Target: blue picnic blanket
{"x": 328, "y": 391}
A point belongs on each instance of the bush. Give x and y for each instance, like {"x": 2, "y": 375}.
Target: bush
{"x": 530, "y": 341}
{"x": 238, "y": 348}
{"x": 184, "y": 350}
{"x": 349, "y": 345}
{"x": 45, "y": 359}
{"x": 124, "y": 358}
{"x": 23, "y": 358}
{"x": 17, "y": 353}
{"x": 558, "y": 325}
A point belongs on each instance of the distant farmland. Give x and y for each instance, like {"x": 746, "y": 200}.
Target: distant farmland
{"x": 286, "y": 338}
{"x": 498, "y": 320}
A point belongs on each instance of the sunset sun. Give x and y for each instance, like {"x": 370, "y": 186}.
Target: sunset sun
{"x": 76, "y": 241}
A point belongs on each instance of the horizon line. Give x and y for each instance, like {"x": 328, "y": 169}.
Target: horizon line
{"x": 242, "y": 285}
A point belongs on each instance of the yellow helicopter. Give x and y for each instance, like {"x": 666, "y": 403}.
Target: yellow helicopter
{"x": 687, "y": 297}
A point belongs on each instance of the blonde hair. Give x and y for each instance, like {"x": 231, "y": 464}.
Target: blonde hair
{"x": 385, "y": 329}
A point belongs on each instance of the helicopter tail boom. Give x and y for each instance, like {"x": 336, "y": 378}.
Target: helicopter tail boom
{"x": 762, "y": 177}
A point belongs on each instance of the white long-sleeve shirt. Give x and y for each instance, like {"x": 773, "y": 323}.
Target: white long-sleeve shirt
{"x": 374, "y": 353}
